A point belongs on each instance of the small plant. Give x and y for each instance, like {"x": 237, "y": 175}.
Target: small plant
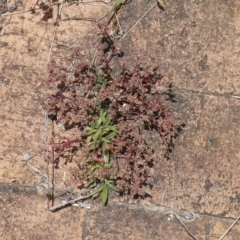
{"x": 99, "y": 135}
{"x": 110, "y": 118}
{"x": 103, "y": 188}
{"x": 101, "y": 132}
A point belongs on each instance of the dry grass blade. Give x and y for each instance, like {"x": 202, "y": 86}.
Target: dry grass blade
{"x": 65, "y": 203}
{"x": 70, "y": 18}
{"x": 144, "y": 15}
{"x": 185, "y": 227}
{"x": 230, "y": 228}
{"x": 54, "y": 32}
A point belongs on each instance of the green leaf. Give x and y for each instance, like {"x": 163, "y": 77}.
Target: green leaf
{"x": 104, "y": 194}
{"x": 91, "y": 131}
{"x": 92, "y": 124}
{"x": 107, "y": 165}
{"x": 111, "y": 136}
{"x": 116, "y": 6}
{"x": 96, "y": 194}
{"x": 105, "y": 143}
{"x": 93, "y": 147}
{"x": 111, "y": 181}
{"x": 100, "y": 78}
{"x": 91, "y": 181}
{"x": 89, "y": 138}
{"x": 97, "y": 134}
{"x": 147, "y": 2}
{"x": 95, "y": 166}
{"x": 111, "y": 186}
{"x": 97, "y": 191}
{"x": 102, "y": 116}
{"x": 106, "y": 130}
{"x": 108, "y": 120}
{"x": 112, "y": 128}
{"x": 99, "y": 122}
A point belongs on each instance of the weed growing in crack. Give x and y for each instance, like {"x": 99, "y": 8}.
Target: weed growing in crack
{"x": 110, "y": 114}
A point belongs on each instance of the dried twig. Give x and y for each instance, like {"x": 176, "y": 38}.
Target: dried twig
{"x": 54, "y": 33}
{"x": 185, "y": 227}
{"x": 155, "y": 4}
{"x": 10, "y": 17}
{"x": 164, "y": 195}
{"x": 65, "y": 203}
{"x": 46, "y": 125}
{"x": 237, "y": 97}
{"x": 42, "y": 174}
{"x": 230, "y": 228}
{"x": 183, "y": 216}
{"x": 70, "y": 18}
{"x": 15, "y": 13}
{"x": 79, "y": 18}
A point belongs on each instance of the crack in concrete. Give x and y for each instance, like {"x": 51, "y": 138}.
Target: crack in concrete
{"x": 208, "y": 93}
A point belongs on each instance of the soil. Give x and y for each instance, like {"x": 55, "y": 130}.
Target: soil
{"x": 199, "y": 42}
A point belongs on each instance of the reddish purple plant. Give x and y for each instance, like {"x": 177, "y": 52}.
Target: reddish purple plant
{"x": 135, "y": 105}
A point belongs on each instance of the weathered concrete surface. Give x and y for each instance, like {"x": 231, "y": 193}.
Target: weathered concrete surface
{"x": 120, "y": 221}
{"x": 23, "y": 216}
{"x": 202, "y": 174}
{"x": 200, "y": 41}
{"x": 25, "y": 45}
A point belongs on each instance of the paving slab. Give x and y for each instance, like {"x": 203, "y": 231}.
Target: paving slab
{"x": 125, "y": 221}
{"x": 25, "y": 47}
{"x": 23, "y": 216}
{"x": 201, "y": 176}
{"x": 199, "y": 40}
{"x": 202, "y": 173}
